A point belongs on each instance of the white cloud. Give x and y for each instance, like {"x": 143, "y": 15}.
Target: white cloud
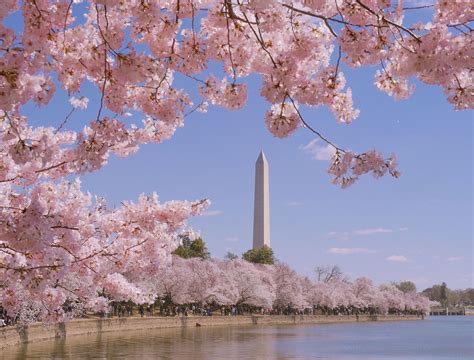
{"x": 346, "y": 235}
{"x": 348, "y": 251}
{"x": 317, "y": 151}
{"x": 232, "y": 239}
{"x": 371, "y": 231}
{"x": 211, "y": 213}
{"x": 467, "y": 278}
{"x": 343, "y": 236}
{"x": 397, "y": 258}
{"x": 454, "y": 258}
{"x": 295, "y": 203}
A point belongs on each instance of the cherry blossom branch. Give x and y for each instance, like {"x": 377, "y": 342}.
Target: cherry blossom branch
{"x": 136, "y": 245}
{"x": 5, "y": 246}
{"x": 337, "y": 62}
{"x": 418, "y": 7}
{"x": 322, "y": 17}
{"x": 261, "y": 41}
{"x": 230, "y": 11}
{"x": 65, "y": 227}
{"x": 75, "y": 293}
{"x": 24, "y": 269}
{"x": 105, "y": 64}
{"x": 65, "y": 22}
{"x": 388, "y": 21}
{"x": 458, "y": 27}
{"x": 65, "y": 120}
{"x": 195, "y": 108}
{"x": 193, "y": 27}
{"x": 51, "y": 167}
{"x": 230, "y": 51}
{"x": 309, "y": 127}
{"x": 40, "y": 12}
{"x": 102, "y": 35}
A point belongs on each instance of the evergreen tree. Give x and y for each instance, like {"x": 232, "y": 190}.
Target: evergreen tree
{"x": 230, "y": 256}
{"x": 263, "y": 255}
{"x": 192, "y": 248}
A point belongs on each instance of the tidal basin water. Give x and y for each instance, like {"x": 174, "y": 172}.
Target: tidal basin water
{"x": 435, "y": 338}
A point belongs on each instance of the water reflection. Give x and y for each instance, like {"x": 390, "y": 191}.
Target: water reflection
{"x": 432, "y": 339}
{"x": 187, "y": 343}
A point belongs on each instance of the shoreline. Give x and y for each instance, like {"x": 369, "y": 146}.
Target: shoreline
{"x": 11, "y": 336}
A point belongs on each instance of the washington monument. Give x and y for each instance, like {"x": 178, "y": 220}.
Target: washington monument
{"x": 261, "y": 210}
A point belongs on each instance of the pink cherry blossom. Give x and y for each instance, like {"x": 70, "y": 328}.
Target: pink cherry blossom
{"x": 282, "y": 120}
{"x": 80, "y": 103}
{"x": 59, "y": 244}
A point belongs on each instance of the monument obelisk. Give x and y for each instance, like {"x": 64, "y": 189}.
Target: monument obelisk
{"x": 261, "y": 210}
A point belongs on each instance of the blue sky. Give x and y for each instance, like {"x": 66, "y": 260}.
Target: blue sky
{"x": 424, "y": 216}
{"x": 418, "y": 227}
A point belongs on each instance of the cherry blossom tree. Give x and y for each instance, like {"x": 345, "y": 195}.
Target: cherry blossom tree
{"x": 210, "y": 284}
{"x": 417, "y": 302}
{"x": 253, "y": 282}
{"x": 341, "y": 295}
{"x": 308, "y": 292}
{"x": 393, "y": 298}
{"x": 59, "y": 244}
{"x": 365, "y": 293}
{"x": 173, "y": 282}
{"x": 288, "y": 288}
{"x": 332, "y": 295}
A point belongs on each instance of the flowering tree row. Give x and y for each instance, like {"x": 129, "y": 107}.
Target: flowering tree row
{"x": 57, "y": 241}
{"x": 239, "y": 282}
{"x": 228, "y": 283}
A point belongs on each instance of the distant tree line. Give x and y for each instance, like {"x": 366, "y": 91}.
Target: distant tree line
{"x": 441, "y": 293}
{"x": 447, "y": 297}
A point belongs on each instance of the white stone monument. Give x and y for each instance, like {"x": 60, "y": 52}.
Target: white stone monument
{"x": 261, "y": 210}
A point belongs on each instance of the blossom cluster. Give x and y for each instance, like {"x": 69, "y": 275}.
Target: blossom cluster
{"x": 132, "y": 51}
{"x": 347, "y": 166}
{"x": 58, "y": 246}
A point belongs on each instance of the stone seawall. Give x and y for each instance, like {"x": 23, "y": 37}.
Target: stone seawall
{"x": 37, "y": 332}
